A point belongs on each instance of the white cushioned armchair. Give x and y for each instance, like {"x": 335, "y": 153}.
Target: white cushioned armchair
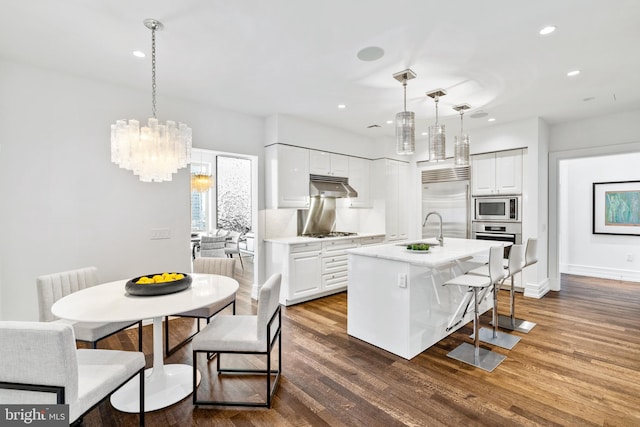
{"x": 52, "y": 287}
{"x": 41, "y": 365}
{"x": 220, "y": 266}
{"x": 255, "y": 335}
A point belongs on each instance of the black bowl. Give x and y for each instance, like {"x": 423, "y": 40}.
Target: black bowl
{"x": 153, "y": 289}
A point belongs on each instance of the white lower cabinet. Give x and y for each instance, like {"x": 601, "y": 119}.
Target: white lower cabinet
{"x": 312, "y": 269}
{"x": 305, "y": 271}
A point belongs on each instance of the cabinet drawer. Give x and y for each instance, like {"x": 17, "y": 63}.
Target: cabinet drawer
{"x": 305, "y": 247}
{"x": 338, "y": 247}
{"x": 334, "y": 264}
{"x": 334, "y": 280}
{"x": 371, "y": 240}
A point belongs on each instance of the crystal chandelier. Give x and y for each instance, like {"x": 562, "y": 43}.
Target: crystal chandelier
{"x": 461, "y": 147}
{"x": 405, "y": 120}
{"x": 156, "y": 151}
{"x": 437, "y": 139}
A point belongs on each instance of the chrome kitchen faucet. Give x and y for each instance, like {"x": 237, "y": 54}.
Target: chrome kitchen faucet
{"x": 440, "y": 237}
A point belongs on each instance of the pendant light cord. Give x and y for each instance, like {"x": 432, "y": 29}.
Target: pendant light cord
{"x": 436, "y": 99}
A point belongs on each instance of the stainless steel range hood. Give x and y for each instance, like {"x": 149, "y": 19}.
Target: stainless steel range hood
{"x": 330, "y": 186}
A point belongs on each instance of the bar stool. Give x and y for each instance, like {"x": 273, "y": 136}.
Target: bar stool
{"x": 473, "y": 354}
{"x": 493, "y": 336}
{"x": 510, "y": 322}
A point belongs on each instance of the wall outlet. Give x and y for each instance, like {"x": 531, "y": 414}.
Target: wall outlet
{"x": 160, "y": 233}
{"x": 402, "y": 280}
{"x": 630, "y": 257}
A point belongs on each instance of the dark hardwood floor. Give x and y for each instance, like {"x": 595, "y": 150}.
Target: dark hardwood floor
{"x": 580, "y": 366}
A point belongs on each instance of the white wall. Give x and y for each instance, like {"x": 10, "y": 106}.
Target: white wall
{"x": 65, "y": 205}
{"x": 582, "y": 139}
{"x": 588, "y": 254}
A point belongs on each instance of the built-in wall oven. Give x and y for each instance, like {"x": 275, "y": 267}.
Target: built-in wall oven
{"x": 498, "y": 231}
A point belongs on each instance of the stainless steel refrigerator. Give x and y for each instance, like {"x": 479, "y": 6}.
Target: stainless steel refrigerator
{"x": 447, "y": 191}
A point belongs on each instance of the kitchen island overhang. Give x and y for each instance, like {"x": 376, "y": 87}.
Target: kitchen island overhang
{"x": 396, "y": 300}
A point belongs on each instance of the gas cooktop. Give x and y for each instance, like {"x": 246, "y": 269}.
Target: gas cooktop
{"x": 331, "y": 234}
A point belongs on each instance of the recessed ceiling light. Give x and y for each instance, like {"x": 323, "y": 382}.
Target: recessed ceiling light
{"x": 492, "y": 119}
{"x": 389, "y": 122}
{"x": 425, "y": 133}
{"x": 479, "y": 114}
{"x": 342, "y": 106}
{"x": 371, "y": 53}
{"x": 547, "y": 30}
{"x": 573, "y": 73}
{"x": 139, "y": 54}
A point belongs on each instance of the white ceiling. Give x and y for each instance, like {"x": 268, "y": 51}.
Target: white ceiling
{"x": 298, "y": 57}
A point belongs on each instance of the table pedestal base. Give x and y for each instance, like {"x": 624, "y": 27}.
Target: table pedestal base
{"x": 172, "y": 384}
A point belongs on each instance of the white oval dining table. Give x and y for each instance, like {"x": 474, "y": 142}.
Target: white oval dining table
{"x": 109, "y": 302}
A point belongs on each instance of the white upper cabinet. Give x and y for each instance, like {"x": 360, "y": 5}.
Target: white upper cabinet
{"x": 323, "y": 163}
{"x": 497, "y": 173}
{"x": 360, "y": 180}
{"x": 287, "y": 176}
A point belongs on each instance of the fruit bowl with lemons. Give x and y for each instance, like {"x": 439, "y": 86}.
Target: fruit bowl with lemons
{"x": 158, "y": 284}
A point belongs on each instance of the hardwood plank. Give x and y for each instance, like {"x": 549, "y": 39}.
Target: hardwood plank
{"x": 580, "y": 366}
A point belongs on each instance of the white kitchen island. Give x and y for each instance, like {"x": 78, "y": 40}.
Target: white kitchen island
{"x": 396, "y": 300}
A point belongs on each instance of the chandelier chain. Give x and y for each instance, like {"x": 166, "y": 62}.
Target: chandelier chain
{"x": 153, "y": 71}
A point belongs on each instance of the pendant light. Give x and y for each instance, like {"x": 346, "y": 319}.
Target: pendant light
{"x": 437, "y": 139}
{"x": 156, "y": 151}
{"x": 201, "y": 181}
{"x": 405, "y": 120}
{"x": 461, "y": 151}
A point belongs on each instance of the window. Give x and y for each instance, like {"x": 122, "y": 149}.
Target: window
{"x": 233, "y": 185}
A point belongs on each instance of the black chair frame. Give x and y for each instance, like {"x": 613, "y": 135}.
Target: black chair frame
{"x": 60, "y": 394}
{"x": 94, "y": 344}
{"x": 168, "y": 351}
{"x": 271, "y": 389}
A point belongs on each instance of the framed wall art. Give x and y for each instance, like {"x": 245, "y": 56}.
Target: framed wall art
{"x": 616, "y": 208}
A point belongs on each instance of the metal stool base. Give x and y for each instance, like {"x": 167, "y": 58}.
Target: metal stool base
{"x": 502, "y": 340}
{"x": 518, "y": 325}
{"x": 487, "y": 359}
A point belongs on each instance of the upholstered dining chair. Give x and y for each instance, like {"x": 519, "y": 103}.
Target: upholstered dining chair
{"x": 41, "y": 365}
{"x": 233, "y": 246}
{"x": 213, "y": 246}
{"x": 246, "y": 334}
{"x": 52, "y": 287}
{"x": 221, "y": 266}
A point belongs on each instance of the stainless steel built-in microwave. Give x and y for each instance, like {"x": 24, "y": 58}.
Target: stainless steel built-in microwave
{"x": 497, "y": 208}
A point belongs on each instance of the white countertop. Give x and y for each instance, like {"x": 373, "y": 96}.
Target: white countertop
{"x": 453, "y": 249}
{"x": 304, "y": 239}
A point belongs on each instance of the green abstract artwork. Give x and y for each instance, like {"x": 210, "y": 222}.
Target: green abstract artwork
{"x": 622, "y": 208}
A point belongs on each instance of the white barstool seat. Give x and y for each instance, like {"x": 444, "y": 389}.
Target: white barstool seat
{"x": 473, "y": 354}
{"x": 493, "y": 336}
{"x": 510, "y": 322}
